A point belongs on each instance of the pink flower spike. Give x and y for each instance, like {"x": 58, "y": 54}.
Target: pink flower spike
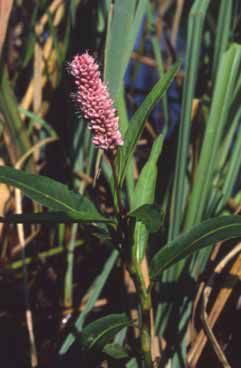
{"x": 95, "y": 103}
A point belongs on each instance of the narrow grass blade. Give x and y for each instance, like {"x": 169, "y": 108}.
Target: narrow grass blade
{"x": 36, "y": 118}
{"x": 68, "y": 280}
{"x": 195, "y": 34}
{"x": 124, "y": 15}
{"x": 229, "y": 137}
{"x": 117, "y": 44}
{"x": 95, "y": 293}
{"x": 225, "y": 84}
{"x": 160, "y": 67}
{"x": 72, "y": 11}
{"x": 222, "y": 33}
{"x": 54, "y": 36}
{"x": 41, "y": 256}
{"x": 28, "y": 46}
{"x": 233, "y": 170}
{"x": 9, "y": 109}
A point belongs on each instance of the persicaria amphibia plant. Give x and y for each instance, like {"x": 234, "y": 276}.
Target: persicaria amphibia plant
{"x": 93, "y": 100}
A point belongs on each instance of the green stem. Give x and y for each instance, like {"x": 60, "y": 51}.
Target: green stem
{"x": 146, "y": 339}
{"x": 68, "y": 282}
{"x": 122, "y": 229}
{"x": 136, "y": 274}
{"x": 146, "y": 310}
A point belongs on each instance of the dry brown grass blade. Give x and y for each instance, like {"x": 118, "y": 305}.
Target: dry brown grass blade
{"x": 155, "y": 346}
{"x": 146, "y": 60}
{"x": 222, "y": 298}
{"x": 37, "y": 91}
{"x": 57, "y": 10}
{"x": 44, "y": 19}
{"x": 22, "y": 241}
{"x": 192, "y": 331}
{"x": 5, "y": 10}
{"x": 28, "y": 312}
{"x": 206, "y": 294}
{"x": 164, "y": 5}
{"x": 4, "y": 195}
{"x": 212, "y": 338}
{"x": 176, "y": 21}
{"x": 37, "y": 73}
{"x": 18, "y": 248}
{"x": 195, "y": 108}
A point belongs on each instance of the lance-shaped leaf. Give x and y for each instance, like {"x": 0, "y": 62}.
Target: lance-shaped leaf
{"x": 52, "y": 194}
{"x": 115, "y": 351}
{"x": 144, "y": 194}
{"x": 150, "y": 215}
{"x": 100, "y": 332}
{"x": 205, "y": 234}
{"x": 50, "y": 217}
{"x": 138, "y": 120}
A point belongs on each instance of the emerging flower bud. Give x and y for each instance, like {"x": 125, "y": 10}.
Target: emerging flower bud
{"x": 95, "y": 103}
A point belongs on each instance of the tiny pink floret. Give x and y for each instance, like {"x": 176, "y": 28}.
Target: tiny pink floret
{"x": 95, "y": 103}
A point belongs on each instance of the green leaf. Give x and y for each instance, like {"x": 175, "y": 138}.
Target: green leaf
{"x": 98, "y": 333}
{"x": 138, "y": 120}
{"x": 150, "y": 215}
{"x": 95, "y": 292}
{"x": 116, "y": 57}
{"x": 205, "y": 234}
{"x": 127, "y": 15}
{"x": 146, "y": 184}
{"x": 224, "y": 28}
{"x": 9, "y": 109}
{"x": 115, "y": 351}
{"x": 132, "y": 363}
{"x": 44, "y": 218}
{"x": 144, "y": 194}
{"x": 51, "y": 194}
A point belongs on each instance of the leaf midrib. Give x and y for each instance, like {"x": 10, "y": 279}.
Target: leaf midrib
{"x": 105, "y": 332}
{"x": 192, "y": 246}
{"x": 28, "y": 187}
